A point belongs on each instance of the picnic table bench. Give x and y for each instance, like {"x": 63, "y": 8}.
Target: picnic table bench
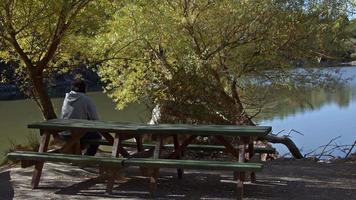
{"x": 123, "y": 131}
{"x": 194, "y": 147}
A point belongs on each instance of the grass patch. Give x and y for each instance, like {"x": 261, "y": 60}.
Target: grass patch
{"x": 32, "y": 143}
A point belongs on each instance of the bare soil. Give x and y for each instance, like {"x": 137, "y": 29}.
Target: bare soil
{"x": 280, "y": 179}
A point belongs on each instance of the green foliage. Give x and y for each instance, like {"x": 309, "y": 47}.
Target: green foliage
{"x": 351, "y": 43}
{"x": 35, "y": 24}
{"x": 196, "y": 58}
{"x": 44, "y": 37}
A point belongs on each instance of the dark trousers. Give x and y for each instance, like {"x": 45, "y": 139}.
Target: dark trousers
{"x": 92, "y": 148}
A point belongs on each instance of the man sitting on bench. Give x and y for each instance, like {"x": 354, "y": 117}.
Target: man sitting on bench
{"x": 77, "y": 105}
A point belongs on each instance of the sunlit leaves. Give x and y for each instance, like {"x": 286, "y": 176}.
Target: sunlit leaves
{"x": 193, "y": 52}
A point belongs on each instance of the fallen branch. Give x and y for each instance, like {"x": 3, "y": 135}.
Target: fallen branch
{"x": 287, "y": 142}
{"x": 332, "y": 140}
{"x": 348, "y": 153}
{"x": 295, "y": 131}
{"x": 329, "y": 149}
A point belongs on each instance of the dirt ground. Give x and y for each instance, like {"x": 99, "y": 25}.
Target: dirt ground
{"x": 280, "y": 179}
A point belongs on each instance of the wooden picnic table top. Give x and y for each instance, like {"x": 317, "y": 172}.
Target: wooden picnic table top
{"x": 162, "y": 129}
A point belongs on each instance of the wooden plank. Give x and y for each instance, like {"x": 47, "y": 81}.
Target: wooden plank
{"x": 139, "y": 144}
{"x": 155, "y": 171}
{"x": 108, "y": 137}
{"x": 112, "y": 174}
{"x": 197, "y": 147}
{"x": 65, "y": 158}
{"x": 157, "y": 150}
{"x": 86, "y": 125}
{"x": 251, "y": 153}
{"x": 161, "y": 129}
{"x": 193, "y": 164}
{"x": 37, "y": 172}
{"x": 241, "y": 174}
{"x": 176, "y": 148}
{"x": 206, "y": 130}
{"x": 185, "y": 143}
{"x": 239, "y": 190}
{"x": 228, "y": 146}
{"x": 203, "y": 147}
{"x": 116, "y": 148}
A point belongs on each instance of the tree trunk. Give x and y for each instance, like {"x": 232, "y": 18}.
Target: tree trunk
{"x": 42, "y": 95}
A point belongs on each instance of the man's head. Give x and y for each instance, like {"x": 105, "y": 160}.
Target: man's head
{"x": 78, "y": 85}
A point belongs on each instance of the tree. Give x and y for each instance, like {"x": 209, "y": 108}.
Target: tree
{"x": 200, "y": 59}
{"x": 43, "y": 36}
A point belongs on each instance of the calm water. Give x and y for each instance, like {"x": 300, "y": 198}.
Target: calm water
{"x": 318, "y": 114}
{"x": 15, "y": 115}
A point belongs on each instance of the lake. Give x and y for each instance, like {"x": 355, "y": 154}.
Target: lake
{"x": 15, "y": 115}
{"x": 314, "y": 117}
{"x": 318, "y": 114}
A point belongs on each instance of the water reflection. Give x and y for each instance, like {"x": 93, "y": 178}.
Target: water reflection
{"x": 284, "y": 102}
{"x": 320, "y": 114}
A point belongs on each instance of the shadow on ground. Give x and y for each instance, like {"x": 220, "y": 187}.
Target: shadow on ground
{"x": 6, "y": 189}
{"x": 212, "y": 186}
{"x": 279, "y": 180}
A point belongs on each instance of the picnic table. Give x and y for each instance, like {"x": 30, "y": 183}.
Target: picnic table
{"x": 122, "y": 131}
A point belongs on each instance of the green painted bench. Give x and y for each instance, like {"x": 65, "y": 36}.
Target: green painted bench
{"x": 106, "y": 164}
{"x": 196, "y": 147}
{"x": 116, "y": 164}
{"x": 192, "y": 164}
{"x": 65, "y": 158}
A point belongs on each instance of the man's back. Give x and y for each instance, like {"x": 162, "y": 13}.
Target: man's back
{"x": 77, "y": 105}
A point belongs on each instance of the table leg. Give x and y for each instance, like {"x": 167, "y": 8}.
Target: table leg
{"x": 239, "y": 190}
{"x": 176, "y": 147}
{"x": 251, "y": 152}
{"x": 117, "y": 147}
{"x": 139, "y": 144}
{"x": 184, "y": 145}
{"x": 39, "y": 165}
{"x": 228, "y": 146}
{"x": 155, "y": 171}
{"x": 108, "y": 137}
{"x": 78, "y": 148}
{"x": 112, "y": 174}
{"x": 113, "y": 171}
{"x": 241, "y": 175}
